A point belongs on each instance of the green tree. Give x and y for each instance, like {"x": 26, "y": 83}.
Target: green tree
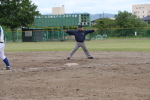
{"x": 17, "y": 13}
{"x": 149, "y": 22}
{"x": 128, "y": 20}
{"x": 104, "y": 23}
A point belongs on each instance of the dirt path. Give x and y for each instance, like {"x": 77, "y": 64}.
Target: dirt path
{"x": 49, "y": 76}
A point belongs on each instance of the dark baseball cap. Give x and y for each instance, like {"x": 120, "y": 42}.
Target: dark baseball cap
{"x": 79, "y": 26}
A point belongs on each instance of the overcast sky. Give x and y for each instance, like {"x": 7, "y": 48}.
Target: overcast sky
{"x": 90, "y": 6}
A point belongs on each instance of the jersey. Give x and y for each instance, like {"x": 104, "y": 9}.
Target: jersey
{"x": 80, "y": 35}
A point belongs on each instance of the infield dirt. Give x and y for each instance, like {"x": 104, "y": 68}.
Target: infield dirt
{"x": 48, "y": 76}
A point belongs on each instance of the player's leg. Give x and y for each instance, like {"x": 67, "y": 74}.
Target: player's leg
{"x": 3, "y": 57}
{"x": 83, "y": 46}
{"x": 74, "y": 50}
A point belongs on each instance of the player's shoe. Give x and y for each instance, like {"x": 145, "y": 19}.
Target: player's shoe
{"x": 68, "y": 58}
{"x": 8, "y": 68}
{"x": 90, "y": 58}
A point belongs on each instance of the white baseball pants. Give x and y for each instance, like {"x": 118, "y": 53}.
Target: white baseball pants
{"x": 2, "y": 56}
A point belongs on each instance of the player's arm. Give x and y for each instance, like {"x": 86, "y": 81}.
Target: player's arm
{"x": 90, "y": 31}
{"x": 69, "y": 32}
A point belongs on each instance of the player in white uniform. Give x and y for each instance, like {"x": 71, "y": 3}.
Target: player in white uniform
{"x": 2, "y": 56}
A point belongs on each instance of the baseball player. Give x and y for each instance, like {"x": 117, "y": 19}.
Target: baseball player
{"x": 80, "y": 37}
{"x": 2, "y": 56}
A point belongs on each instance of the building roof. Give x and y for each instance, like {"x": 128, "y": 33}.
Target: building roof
{"x": 146, "y": 18}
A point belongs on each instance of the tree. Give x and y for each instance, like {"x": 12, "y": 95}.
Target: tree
{"x": 128, "y": 20}
{"x": 149, "y": 22}
{"x": 104, "y": 23}
{"x": 17, "y": 13}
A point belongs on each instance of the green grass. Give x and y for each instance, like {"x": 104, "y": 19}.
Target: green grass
{"x": 100, "y": 45}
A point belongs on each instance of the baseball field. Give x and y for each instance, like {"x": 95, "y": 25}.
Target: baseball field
{"x": 120, "y": 70}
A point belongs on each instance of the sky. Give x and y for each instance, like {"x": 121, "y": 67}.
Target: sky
{"x": 89, "y": 6}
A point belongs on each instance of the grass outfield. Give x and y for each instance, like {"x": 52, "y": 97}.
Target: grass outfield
{"x": 101, "y": 45}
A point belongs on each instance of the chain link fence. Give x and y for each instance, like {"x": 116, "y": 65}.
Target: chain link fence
{"x": 123, "y": 33}
{"x": 59, "y": 35}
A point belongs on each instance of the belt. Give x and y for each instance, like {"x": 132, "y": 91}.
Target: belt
{"x": 80, "y": 42}
{"x": 1, "y": 42}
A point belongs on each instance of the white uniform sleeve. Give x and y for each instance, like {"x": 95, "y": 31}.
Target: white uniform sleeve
{"x": 1, "y": 34}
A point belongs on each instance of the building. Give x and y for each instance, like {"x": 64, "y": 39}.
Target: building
{"x": 59, "y": 18}
{"x": 141, "y": 10}
{"x": 62, "y": 20}
{"x": 58, "y": 10}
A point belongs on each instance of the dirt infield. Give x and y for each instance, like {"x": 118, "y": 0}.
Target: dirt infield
{"x": 49, "y": 76}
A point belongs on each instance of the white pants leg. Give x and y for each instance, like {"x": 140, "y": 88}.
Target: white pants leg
{"x": 2, "y": 56}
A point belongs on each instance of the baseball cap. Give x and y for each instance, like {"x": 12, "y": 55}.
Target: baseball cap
{"x": 79, "y": 26}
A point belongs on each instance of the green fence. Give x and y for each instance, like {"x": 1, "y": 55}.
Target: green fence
{"x": 123, "y": 33}
{"x": 59, "y": 35}
{"x": 17, "y": 36}
{"x": 55, "y": 35}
